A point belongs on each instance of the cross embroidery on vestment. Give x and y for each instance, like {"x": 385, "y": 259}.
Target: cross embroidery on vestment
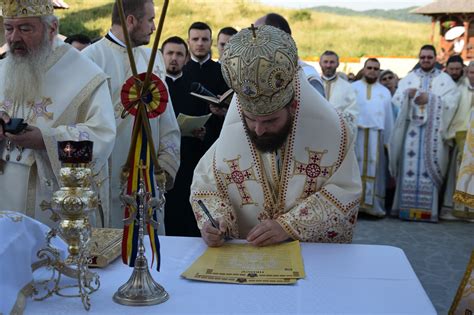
{"x": 239, "y": 177}
{"x": 312, "y": 170}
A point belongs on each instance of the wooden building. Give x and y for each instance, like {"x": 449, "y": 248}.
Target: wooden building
{"x": 450, "y": 14}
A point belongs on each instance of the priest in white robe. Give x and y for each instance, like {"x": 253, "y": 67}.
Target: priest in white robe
{"x": 110, "y": 54}
{"x": 283, "y": 166}
{"x": 338, "y": 91}
{"x": 38, "y": 87}
{"x": 419, "y": 150}
{"x": 464, "y": 194}
{"x": 458, "y": 128}
{"x": 375, "y": 125}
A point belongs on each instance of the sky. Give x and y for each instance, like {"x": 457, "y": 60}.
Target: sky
{"x": 358, "y": 5}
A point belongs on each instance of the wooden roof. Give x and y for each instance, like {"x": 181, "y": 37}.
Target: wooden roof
{"x": 446, "y": 7}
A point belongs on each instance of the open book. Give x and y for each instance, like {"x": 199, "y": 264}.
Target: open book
{"x": 222, "y": 101}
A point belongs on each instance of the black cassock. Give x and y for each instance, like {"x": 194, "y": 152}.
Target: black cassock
{"x": 179, "y": 216}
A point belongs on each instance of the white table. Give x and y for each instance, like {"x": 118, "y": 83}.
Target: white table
{"x": 340, "y": 279}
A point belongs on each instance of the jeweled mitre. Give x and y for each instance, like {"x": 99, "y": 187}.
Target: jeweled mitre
{"x": 259, "y": 64}
{"x": 26, "y": 8}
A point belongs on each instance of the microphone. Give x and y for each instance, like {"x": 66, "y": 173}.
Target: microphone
{"x": 198, "y": 88}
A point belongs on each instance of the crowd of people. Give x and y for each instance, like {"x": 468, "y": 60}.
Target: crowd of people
{"x": 296, "y": 154}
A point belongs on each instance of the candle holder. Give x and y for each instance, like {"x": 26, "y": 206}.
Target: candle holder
{"x": 71, "y": 204}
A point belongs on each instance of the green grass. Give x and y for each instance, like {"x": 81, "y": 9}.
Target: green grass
{"x": 314, "y": 32}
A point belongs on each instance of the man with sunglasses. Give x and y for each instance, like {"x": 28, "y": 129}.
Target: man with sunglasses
{"x": 419, "y": 150}
{"x": 375, "y": 123}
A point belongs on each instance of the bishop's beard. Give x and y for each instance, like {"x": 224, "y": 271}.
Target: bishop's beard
{"x": 270, "y": 142}
{"x": 24, "y": 75}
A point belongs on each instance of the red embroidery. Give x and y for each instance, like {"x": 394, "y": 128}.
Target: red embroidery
{"x": 239, "y": 177}
{"x": 312, "y": 170}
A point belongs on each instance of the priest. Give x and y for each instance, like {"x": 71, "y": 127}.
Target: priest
{"x": 37, "y": 88}
{"x": 458, "y": 130}
{"x": 338, "y": 91}
{"x": 375, "y": 124}
{"x": 419, "y": 150}
{"x": 283, "y": 166}
{"x": 110, "y": 54}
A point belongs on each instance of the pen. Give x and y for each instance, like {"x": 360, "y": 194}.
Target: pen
{"x": 206, "y": 211}
{"x": 214, "y": 223}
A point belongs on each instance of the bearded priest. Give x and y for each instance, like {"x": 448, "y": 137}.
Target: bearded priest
{"x": 419, "y": 147}
{"x": 283, "y": 166}
{"x": 61, "y": 95}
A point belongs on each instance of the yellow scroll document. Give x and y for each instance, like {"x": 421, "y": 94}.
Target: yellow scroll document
{"x": 244, "y": 263}
{"x": 187, "y": 124}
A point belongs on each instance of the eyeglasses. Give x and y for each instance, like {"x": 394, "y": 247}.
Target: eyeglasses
{"x": 427, "y": 57}
{"x": 372, "y": 68}
{"x": 390, "y": 77}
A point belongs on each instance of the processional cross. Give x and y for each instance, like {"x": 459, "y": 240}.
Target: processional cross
{"x": 144, "y": 96}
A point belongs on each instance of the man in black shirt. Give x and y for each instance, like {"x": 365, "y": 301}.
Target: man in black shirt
{"x": 179, "y": 217}
{"x": 202, "y": 69}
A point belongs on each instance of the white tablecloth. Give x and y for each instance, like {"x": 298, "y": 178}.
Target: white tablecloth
{"x": 340, "y": 279}
{"x": 20, "y": 239}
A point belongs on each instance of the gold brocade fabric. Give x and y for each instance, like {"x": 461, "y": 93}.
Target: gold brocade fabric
{"x": 259, "y": 64}
{"x": 26, "y": 8}
{"x": 465, "y": 183}
{"x": 464, "y": 300}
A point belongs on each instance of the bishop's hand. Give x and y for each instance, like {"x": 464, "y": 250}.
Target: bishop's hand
{"x": 30, "y": 138}
{"x": 212, "y": 236}
{"x": 267, "y": 232}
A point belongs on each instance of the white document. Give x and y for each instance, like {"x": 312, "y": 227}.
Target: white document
{"x": 189, "y": 123}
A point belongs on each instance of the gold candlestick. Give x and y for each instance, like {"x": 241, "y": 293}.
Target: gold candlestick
{"x": 72, "y": 204}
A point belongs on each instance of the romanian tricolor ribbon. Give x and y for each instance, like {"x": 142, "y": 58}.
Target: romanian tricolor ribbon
{"x": 144, "y": 96}
{"x": 142, "y": 166}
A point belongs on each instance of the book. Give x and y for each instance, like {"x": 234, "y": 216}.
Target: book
{"x": 106, "y": 246}
{"x": 222, "y": 101}
{"x": 187, "y": 124}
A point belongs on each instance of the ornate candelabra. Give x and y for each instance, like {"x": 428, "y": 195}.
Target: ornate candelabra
{"x": 141, "y": 289}
{"x": 71, "y": 204}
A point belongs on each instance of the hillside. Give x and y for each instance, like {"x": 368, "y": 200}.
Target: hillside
{"x": 314, "y": 32}
{"x": 403, "y": 15}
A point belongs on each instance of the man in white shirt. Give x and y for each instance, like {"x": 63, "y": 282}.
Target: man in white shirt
{"x": 338, "y": 91}
{"x": 375, "y": 125}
